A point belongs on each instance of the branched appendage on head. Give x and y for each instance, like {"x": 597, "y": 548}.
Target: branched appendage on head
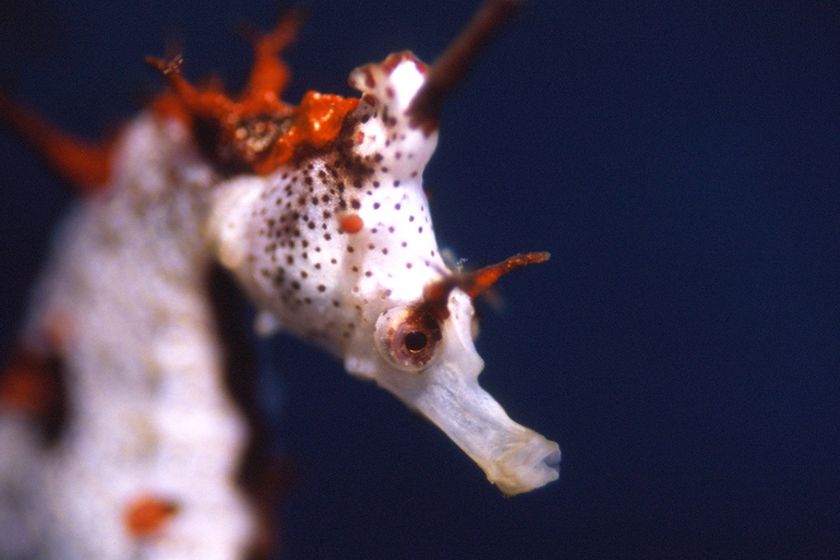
{"x": 475, "y": 283}
{"x": 257, "y": 131}
{"x": 337, "y": 244}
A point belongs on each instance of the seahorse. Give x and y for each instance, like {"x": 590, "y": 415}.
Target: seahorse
{"x": 318, "y": 212}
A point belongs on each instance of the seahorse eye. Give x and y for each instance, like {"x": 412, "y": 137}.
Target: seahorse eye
{"x": 415, "y": 341}
{"x": 407, "y": 338}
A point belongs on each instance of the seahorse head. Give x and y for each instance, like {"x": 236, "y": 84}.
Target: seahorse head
{"x": 324, "y": 221}
{"x": 339, "y": 247}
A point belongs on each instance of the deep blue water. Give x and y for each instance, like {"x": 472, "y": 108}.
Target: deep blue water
{"x": 680, "y": 160}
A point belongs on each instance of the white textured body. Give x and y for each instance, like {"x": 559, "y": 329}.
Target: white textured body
{"x": 148, "y": 412}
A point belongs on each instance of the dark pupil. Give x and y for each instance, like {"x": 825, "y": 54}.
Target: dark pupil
{"x": 415, "y": 341}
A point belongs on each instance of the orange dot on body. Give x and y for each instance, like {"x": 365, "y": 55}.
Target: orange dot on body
{"x": 29, "y": 384}
{"x": 27, "y": 389}
{"x": 147, "y": 515}
{"x": 350, "y": 223}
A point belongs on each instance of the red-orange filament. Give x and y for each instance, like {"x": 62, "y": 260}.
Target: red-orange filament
{"x": 475, "y": 283}
{"x": 85, "y": 165}
{"x": 436, "y": 294}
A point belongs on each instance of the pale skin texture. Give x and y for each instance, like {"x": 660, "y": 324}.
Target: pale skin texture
{"x": 149, "y": 412}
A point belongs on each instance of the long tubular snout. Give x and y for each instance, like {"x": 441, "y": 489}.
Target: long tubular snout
{"x": 514, "y": 458}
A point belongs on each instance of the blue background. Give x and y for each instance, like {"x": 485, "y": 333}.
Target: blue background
{"x": 681, "y": 163}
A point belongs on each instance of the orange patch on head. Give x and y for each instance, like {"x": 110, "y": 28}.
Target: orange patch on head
{"x": 255, "y": 130}
{"x": 315, "y": 122}
{"x": 350, "y": 223}
{"x": 147, "y": 515}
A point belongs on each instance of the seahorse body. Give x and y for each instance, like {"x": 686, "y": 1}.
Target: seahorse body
{"x": 335, "y": 242}
{"x": 149, "y": 413}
